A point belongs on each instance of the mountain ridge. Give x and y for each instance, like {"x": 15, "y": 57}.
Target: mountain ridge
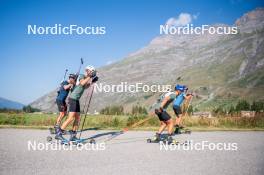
{"x": 9, "y": 104}
{"x": 217, "y": 67}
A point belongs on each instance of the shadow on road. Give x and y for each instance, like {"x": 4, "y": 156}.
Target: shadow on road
{"x": 112, "y": 135}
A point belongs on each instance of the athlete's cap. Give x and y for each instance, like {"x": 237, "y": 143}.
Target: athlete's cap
{"x": 72, "y": 76}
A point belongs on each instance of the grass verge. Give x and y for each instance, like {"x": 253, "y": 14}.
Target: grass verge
{"x": 112, "y": 122}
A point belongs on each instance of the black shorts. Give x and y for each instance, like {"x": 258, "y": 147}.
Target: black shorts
{"x": 177, "y": 110}
{"x": 62, "y": 107}
{"x": 163, "y": 116}
{"x": 74, "y": 105}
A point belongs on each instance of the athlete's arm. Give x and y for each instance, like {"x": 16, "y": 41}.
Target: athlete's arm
{"x": 66, "y": 87}
{"x": 188, "y": 96}
{"x": 164, "y": 102}
{"x": 84, "y": 81}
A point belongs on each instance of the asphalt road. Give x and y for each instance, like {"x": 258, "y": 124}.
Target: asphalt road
{"x": 129, "y": 153}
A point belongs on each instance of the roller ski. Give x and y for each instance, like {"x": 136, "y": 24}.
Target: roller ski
{"x": 57, "y": 139}
{"x": 182, "y": 130}
{"x": 185, "y": 131}
{"x": 74, "y": 141}
{"x": 68, "y": 132}
{"x": 78, "y": 141}
{"x": 156, "y": 139}
{"x": 159, "y": 139}
{"x": 64, "y": 132}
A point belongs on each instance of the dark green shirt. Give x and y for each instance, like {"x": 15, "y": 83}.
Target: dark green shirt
{"x": 78, "y": 90}
{"x": 171, "y": 96}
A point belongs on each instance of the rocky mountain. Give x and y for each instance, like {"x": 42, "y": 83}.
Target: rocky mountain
{"x": 4, "y": 103}
{"x": 220, "y": 68}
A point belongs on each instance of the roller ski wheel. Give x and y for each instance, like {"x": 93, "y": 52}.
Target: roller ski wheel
{"x": 83, "y": 141}
{"x": 92, "y": 141}
{"x": 188, "y": 131}
{"x": 173, "y": 141}
{"x": 49, "y": 138}
{"x": 153, "y": 140}
{"x": 187, "y": 142}
{"x": 149, "y": 141}
{"x": 69, "y": 142}
{"x": 185, "y": 131}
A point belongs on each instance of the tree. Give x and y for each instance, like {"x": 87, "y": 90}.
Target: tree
{"x": 242, "y": 105}
{"x": 219, "y": 110}
{"x": 231, "y": 109}
{"x": 257, "y": 106}
{"x": 30, "y": 109}
{"x": 137, "y": 110}
{"x": 112, "y": 110}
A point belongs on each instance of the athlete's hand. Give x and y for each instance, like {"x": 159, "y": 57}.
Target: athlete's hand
{"x": 192, "y": 94}
{"x": 95, "y": 79}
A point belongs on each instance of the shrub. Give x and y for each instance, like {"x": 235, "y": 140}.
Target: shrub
{"x": 139, "y": 110}
{"x": 30, "y": 109}
{"x": 112, "y": 110}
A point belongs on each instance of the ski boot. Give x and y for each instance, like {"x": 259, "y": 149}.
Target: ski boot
{"x": 156, "y": 139}
{"x": 56, "y": 128}
{"x": 73, "y": 137}
{"x": 184, "y": 130}
{"x": 177, "y": 130}
{"x": 59, "y": 133}
{"x": 181, "y": 130}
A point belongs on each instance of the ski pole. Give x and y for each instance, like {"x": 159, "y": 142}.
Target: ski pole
{"x": 138, "y": 123}
{"x": 87, "y": 109}
{"x": 188, "y": 106}
{"x": 78, "y": 73}
{"x": 65, "y": 74}
{"x": 86, "y": 99}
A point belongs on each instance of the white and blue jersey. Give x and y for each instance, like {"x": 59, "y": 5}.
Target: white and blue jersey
{"x": 179, "y": 99}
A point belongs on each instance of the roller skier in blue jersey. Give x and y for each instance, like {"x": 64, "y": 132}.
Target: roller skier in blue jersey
{"x": 181, "y": 92}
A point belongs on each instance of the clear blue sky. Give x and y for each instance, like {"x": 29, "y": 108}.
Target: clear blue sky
{"x": 32, "y": 66}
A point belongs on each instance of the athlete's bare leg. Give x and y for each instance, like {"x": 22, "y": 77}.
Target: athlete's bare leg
{"x": 70, "y": 119}
{"x": 162, "y": 127}
{"x": 76, "y": 121}
{"x": 170, "y": 125}
{"x": 60, "y": 117}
